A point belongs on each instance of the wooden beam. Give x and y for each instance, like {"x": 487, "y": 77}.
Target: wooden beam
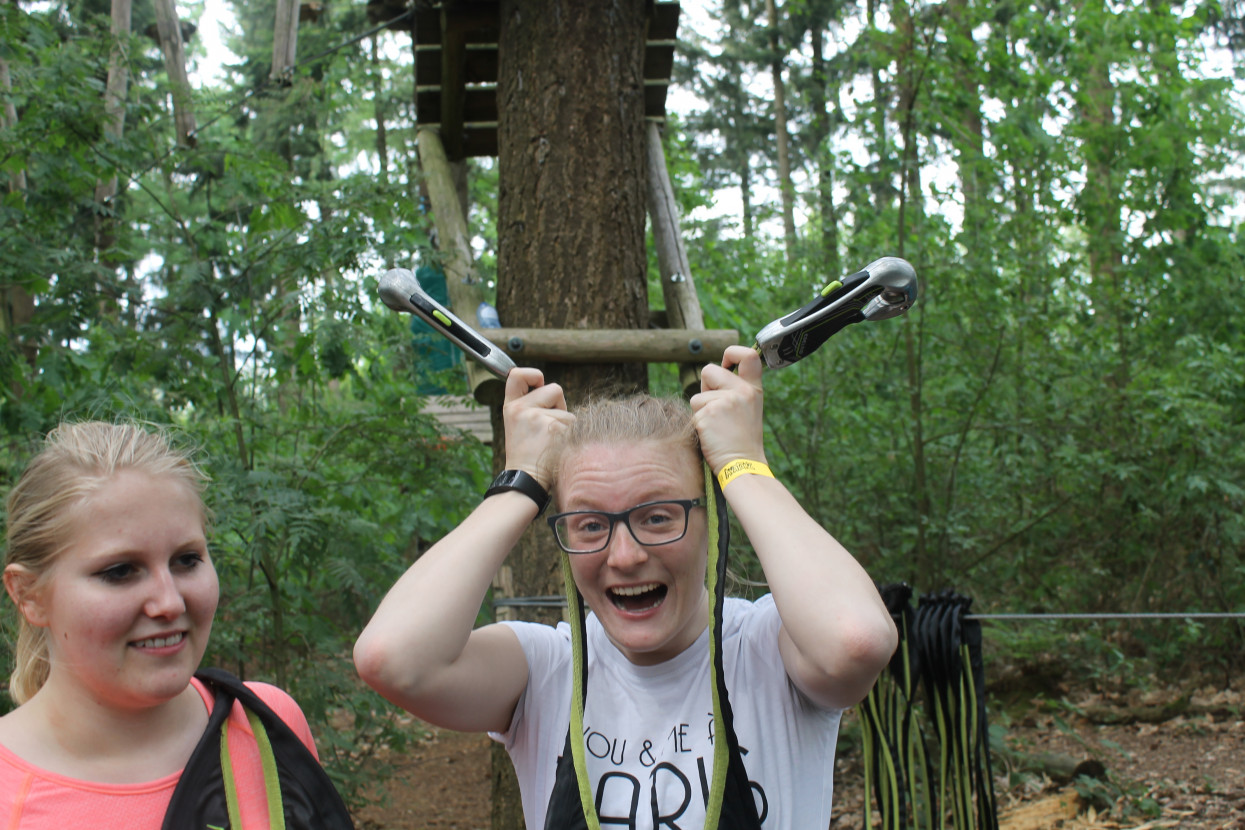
{"x": 677, "y": 287}
{"x": 691, "y": 346}
{"x": 467, "y": 106}
{"x": 461, "y": 281}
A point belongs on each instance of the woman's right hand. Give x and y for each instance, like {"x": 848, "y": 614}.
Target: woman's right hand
{"x": 534, "y": 414}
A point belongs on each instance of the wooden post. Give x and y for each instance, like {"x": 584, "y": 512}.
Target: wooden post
{"x": 170, "y": 30}
{"x": 461, "y": 280}
{"x": 682, "y": 304}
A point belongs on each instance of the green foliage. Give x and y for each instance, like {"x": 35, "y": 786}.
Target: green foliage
{"x": 1058, "y": 425}
{"x": 235, "y": 303}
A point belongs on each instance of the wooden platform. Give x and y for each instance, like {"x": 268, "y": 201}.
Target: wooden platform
{"x": 456, "y": 67}
{"x": 459, "y": 414}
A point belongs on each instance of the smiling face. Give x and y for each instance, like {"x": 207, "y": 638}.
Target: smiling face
{"x": 652, "y": 601}
{"x": 128, "y": 603}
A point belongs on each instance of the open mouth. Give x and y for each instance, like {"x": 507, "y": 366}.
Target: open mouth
{"x": 159, "y": 642}
{"x": 637, "y": 598}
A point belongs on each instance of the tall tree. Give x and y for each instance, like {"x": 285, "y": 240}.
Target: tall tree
{"x": 571, "y": 224}
{"x": 782, "y": 138}
{"x": 964, "y": 123}
{"x": 114, "y": 115}
{"x": 1101, "y": 203}
{"x": 169, "y": 27}
{"x": 17, "y": 304}
{"x": 733, "y": 131}
{"x": 824, "y": 118}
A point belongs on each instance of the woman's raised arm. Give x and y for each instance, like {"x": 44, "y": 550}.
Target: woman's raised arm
{"x": 421, "y": 650}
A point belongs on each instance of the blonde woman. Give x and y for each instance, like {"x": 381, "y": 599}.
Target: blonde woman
{"x": 632, "y": 517}
{"x": 107, "y": 563}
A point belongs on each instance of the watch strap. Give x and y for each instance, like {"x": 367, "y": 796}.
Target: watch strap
{"x": 522, "y": 482}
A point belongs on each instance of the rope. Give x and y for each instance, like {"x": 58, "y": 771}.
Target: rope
{"x": 1153, "y": 615}
{"x": 560, "y": 602}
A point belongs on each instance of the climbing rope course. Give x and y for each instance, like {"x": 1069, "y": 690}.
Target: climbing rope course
{"x": 939, "y": 650}
{"x": 925, "y": 736}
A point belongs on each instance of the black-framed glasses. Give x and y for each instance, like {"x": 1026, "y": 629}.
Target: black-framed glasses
{"x": 652, "y": 523}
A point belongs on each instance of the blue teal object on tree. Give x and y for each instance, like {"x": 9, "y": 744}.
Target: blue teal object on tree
{"x": 487, "y": 317}
{"x": 433, "y": 352}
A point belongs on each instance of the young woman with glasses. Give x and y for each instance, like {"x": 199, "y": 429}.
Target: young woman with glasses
{"x": 628, "y": 483}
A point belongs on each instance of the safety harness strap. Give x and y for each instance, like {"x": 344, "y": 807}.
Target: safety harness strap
{"x": 300, "y": 794}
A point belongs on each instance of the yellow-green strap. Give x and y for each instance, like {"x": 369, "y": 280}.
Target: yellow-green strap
{"x": 721, "y": 749}
{"x": 579, "y": 657}
{"x": 268, "y": 763}
{"x": 272, "y": 781}
{"x": 226, "y": 771}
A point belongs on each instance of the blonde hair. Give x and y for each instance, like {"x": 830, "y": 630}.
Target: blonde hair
{"x": 77, "y": 460}
{"x": 633, "y": 419}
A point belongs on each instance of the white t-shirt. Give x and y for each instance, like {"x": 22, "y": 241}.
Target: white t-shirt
{"x": 649, "y": 728}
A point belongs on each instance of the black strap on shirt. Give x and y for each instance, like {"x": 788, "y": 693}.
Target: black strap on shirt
{"x": 297, "y": 786}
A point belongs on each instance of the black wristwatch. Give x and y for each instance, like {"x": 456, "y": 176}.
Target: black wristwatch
{"x": 522, "y": 482}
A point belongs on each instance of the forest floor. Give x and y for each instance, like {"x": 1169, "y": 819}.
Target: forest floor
{"x": 1154, "y": 769}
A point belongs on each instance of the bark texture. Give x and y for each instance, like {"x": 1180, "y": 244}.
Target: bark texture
{"x": 571, "y": 207}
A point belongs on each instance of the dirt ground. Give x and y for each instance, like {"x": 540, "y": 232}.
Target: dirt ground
{"x": 1154, "y": 770}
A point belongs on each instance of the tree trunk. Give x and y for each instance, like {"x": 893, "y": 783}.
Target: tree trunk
{"x": 824, "y": 156}
{"x": 17, "y": 306}
{"x": 744, "y": 170}
{"x": 908, "y": 88}
{"x": 284, "y": 40}
{"x": 882, "y": 190}
{"x": 785, "y": 187}
{"x": 1101, "y": 207}
{"x": 737, "y": 122}
{"x": 571, "y": 207}
{"x": 966, "y": 130}
{"x": 379, "y": 112}
{"x": 114, "y": 121}
{"x": 572, "y": 178}
{"x": 170, "y": 31}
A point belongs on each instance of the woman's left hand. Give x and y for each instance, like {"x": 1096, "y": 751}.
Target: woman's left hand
{"x": 728, "y": 409}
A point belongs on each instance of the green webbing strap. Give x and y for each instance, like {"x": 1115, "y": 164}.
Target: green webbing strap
{"x": 579, "y": 688}
{"x": 268, "y": 762}
{"x": 272, "y": 781}
{"x": 715, "y": 585}
{"x": 231, "y": 783}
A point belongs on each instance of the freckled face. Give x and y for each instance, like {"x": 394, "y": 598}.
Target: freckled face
{"x": 129, "y": 603}
{"x": 651, "y": 600}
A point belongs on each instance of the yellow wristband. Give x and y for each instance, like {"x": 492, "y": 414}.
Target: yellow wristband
{"x": 743, "y": 467}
